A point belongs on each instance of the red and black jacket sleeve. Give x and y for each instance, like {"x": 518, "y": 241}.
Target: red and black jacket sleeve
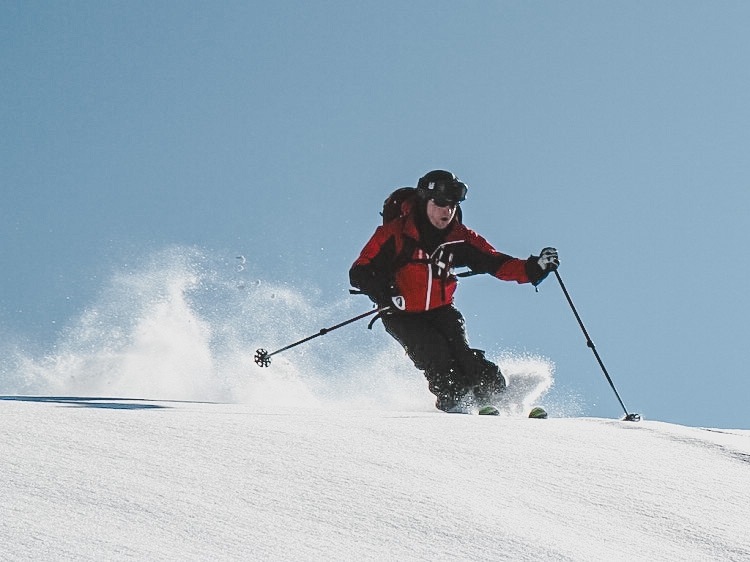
{"x": 373, "y": 272}
{"x": 478, "y": 255}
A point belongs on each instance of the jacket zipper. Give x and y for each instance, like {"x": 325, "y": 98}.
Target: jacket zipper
{"x": 429, "y": 270}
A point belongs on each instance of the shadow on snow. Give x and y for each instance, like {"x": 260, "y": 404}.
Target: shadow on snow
{"x": 95, "y": 402}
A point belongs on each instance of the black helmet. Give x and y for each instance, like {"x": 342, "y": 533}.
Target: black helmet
{"x": 442, "y": 187}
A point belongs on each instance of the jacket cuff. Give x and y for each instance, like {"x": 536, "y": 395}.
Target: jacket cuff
{"x": 534, "y": 271}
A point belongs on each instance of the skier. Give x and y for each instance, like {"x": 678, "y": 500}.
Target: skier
{"x": 407, "y": 266}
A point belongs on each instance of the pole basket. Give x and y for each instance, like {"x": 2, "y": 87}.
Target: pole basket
{"x": 262, "y": 358}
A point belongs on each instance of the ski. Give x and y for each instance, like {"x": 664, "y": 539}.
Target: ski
{"x": 489, "y": 411}
{"x": 537, "y": 412}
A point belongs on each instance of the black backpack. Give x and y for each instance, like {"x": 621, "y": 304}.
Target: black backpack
{"x": 394, "y": 205}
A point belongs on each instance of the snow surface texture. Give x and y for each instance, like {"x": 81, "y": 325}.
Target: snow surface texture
{"x": 148, "y": 433}
{"x": 99, "y": 479}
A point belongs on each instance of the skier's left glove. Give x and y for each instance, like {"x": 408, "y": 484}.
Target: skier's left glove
{"x": 548, "y": 260}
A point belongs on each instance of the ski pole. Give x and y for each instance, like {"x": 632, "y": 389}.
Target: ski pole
{"x": 263, "y": 357}
{"x": 628, "y": 416}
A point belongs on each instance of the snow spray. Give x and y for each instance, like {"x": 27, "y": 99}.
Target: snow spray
{"x": 183, "y": 324}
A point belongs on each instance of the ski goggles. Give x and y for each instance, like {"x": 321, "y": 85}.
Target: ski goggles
{"x": 449, "y": 195}
{"x": 440, "y": 202}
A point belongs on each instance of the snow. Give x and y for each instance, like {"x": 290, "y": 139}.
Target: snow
{"x": 127, "y": 479}
{"x": 147, "y": 432}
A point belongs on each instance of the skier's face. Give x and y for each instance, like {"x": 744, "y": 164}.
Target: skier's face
{"x": 440, "y": 217}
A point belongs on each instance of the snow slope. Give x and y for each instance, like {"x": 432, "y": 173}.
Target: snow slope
{"x": 228, "y": 461}
{"x": 124, "y": 479}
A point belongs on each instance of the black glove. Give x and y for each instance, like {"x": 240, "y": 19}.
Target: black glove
{"x": 381, "y": 291}
{"x": 538, "y": 267}
{"x": 389, "y": 298}
{"x": 548, "y": 259}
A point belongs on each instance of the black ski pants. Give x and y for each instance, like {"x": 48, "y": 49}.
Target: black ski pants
{"x": 436, "y": 342}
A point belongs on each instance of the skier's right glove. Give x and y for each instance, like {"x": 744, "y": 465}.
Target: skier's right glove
{"x": 389, "y": 299}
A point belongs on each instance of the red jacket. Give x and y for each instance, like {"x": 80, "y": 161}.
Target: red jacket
{"x": 396, "y": 261}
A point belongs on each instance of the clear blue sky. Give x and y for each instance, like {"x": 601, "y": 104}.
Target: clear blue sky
{"x": 618, "y": 132}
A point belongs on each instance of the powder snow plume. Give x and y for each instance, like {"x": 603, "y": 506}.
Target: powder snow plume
{"x": 184, "y": 325}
